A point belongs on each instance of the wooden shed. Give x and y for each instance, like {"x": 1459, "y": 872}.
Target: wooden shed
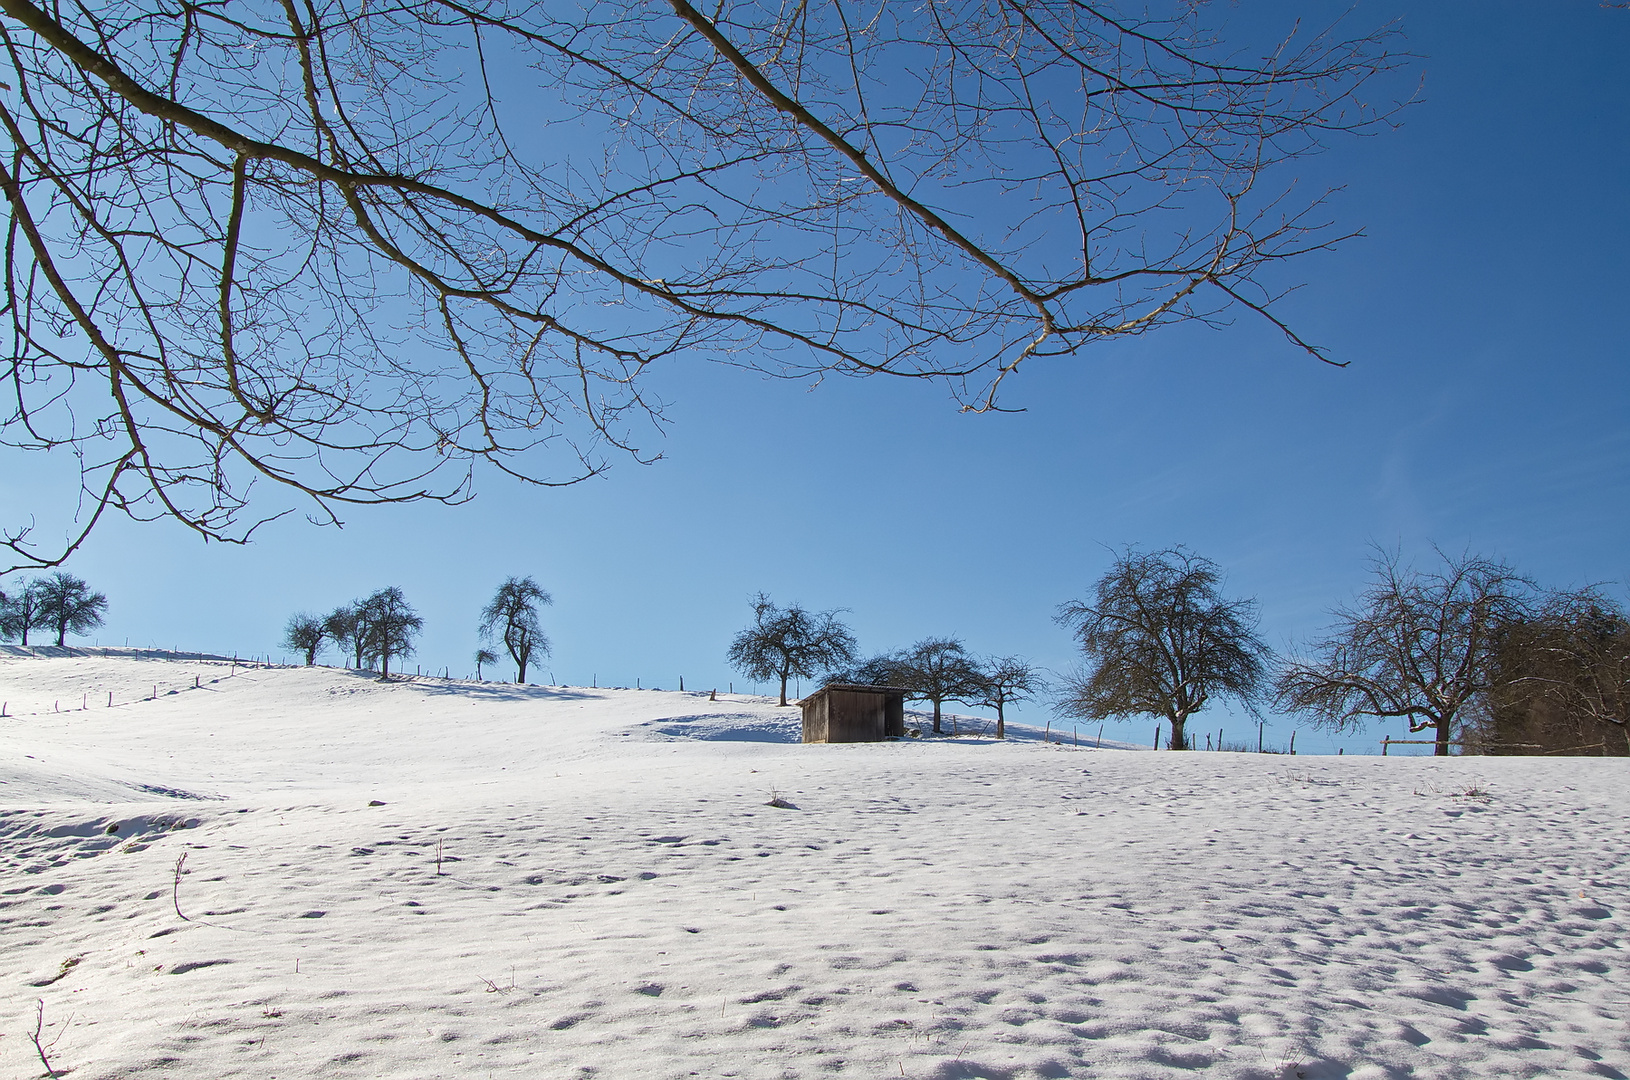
{"x": 844, "y": 712}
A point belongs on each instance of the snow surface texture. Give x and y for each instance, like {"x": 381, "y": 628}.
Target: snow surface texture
{"x": 563, "y": 882}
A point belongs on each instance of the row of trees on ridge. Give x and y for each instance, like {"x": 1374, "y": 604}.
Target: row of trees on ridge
{"x": 786, "y": 643}
{"x": 1468, "y": 650}
{"x": 383, "y": 627}
{"x": 372, "y": 631}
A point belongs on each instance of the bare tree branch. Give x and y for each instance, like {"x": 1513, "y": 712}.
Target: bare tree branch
{"x": 276, "y": 255}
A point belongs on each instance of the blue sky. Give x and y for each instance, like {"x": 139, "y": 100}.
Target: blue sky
{"x": 1485, "y": 316}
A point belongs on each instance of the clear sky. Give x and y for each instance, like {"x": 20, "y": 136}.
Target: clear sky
{"x": 1485, "y": 317}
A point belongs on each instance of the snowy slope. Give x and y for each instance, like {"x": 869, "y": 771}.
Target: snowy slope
{"x": 614, "y": 898}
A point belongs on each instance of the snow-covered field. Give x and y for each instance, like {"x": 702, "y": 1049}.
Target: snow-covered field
{"x": 448, "y": 879}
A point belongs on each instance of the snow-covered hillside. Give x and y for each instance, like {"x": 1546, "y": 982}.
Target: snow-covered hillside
{"x": 428, "y": 879}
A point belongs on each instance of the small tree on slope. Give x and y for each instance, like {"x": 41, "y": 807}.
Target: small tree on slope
{"x": 343, "y": 628}
{"x": 1161, "y": 640}
{"x": 513, "y": 617}
{"x": 22, "y": 612}
{"x": 783, "y": 643}
{"x": 937, "y": 670}
{"x": 67, "y": 605}
{"x": 388, "y": 626}
{"x": 999, "y": 682}
{"x": 305, "y": 635}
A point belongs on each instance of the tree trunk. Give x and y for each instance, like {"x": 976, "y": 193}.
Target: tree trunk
{"x": 937, "y": 730}
{"x": 520, "y": 666}
{"x": 1441, "y": 749}
{"x": 784, "y": 675}
{"x": 1001, "y": 725}
{"x": 62, "y": 634}
{"x": 1179, "y": 740}
{"x": 384, "y": 665}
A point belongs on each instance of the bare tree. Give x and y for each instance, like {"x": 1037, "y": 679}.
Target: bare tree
{"x": 884, "y": 669}
{"x": 305, "y": 634}
{"x": 1565, "y": 671}
{"x": 483, "y": 656}
{"x": 387, "y": 625}
{"x": 337, "y": 249}
{"x": 787, "y": 642}
{"x": 1000, "y": 681}
{"x": 10, "y": 620}
{"x": 937, "y": 670}
{"x": 1160, "y": 639}
{"x": 66, "y": 604}
{"x": 1418, "y": 645}
{"x": 513, "y": 617}
{"x": 345, "y": 628}
{"x": 21, "y": 612}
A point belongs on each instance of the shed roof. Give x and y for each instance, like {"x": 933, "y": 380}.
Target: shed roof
{"x": 854, "y": 687}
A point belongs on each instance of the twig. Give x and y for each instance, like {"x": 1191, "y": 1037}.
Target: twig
{"x": 175, "y": 892}
{"x": 34, "y": 1037}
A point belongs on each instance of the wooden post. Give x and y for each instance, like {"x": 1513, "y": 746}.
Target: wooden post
{"x": 1293, "y": 744}
{"x": 1259, "y": 725}
{"x": 1386, "y": 741}
{"x": 681, "y": 684}
{"x": 1157, "y": 736}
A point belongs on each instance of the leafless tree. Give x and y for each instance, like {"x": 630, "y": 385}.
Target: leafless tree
{"x": 305, "y": 634}
{"x": 12, "y": 620}
{"x": 513, "y": 617}
{"x": 1161, "y": 640}
{"x": 884, "y": 669}
{"x": 938, "y": 670}
{"x": 67, "y": 604}
{"x": 1569, "y": 664}
{"x": 346, "y": 629}
{"x": 356, "y": 252}
{"x": 1419, "y": 645}
{"x": 387, "y": 626}
{"x": 1001, "y": 681}
{"x": 483, "y": 656}
{"x": 22, "y": 612}
{"x": 787, "y": 642}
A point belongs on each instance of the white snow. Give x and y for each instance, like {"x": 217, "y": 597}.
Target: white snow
{"x": 614, "y": 898}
